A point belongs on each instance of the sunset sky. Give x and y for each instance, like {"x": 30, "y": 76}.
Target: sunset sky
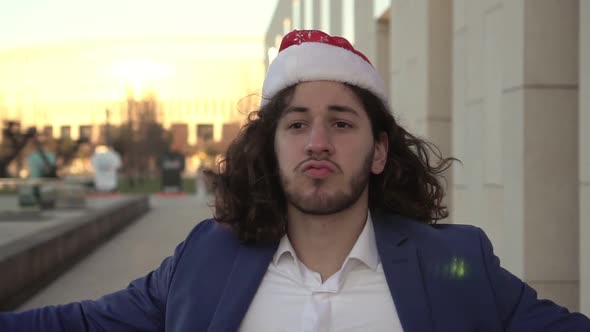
{"x": 68, "y": 60}
{"x": 30, "y": 22}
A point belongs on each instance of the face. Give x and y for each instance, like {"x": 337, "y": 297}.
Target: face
{"x": 325, "y": 149}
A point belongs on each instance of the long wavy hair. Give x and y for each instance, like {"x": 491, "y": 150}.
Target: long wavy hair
{"x": 248, "y": 193}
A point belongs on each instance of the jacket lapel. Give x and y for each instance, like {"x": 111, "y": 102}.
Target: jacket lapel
{"x": 249, "y": 267}
{"x": 401, "y": 264}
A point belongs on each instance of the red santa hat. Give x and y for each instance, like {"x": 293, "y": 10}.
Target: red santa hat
{"x": 312, "y": 55}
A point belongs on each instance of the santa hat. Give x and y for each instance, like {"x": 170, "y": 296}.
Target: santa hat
{"x": 312, "y": 55}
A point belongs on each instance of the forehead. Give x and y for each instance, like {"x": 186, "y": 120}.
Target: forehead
{"x": 321, "y": 96}
{"x": 308, "y": 92}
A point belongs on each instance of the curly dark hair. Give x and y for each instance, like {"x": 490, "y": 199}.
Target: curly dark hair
{"x": 249, "y": 196}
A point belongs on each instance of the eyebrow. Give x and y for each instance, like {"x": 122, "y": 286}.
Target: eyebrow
{"x": 333, "y": 108}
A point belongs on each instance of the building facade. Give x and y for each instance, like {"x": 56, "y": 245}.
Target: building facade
{"x": 505, "y": 87}
{"x": 74, "y": 89}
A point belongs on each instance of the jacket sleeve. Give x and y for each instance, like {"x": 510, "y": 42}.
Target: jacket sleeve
{"x": 518, "y": 305}
{"x": 139, "y": 307}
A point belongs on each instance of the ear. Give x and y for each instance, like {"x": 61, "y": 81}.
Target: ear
{"x": 380, "y": 155}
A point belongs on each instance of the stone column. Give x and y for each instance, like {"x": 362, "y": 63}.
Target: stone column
{"x": 336, "y": 17}
{"x": 382, "y": 60}
{"x": 317, "y": 14}
{"x": 551, "y": 224}
{"x": 421, "y": 69}
{"x": 584, "y": 151}
{"x": 515, "y": 120}
{"x": 302, "y": 14}
{"x": 364, "y": 29}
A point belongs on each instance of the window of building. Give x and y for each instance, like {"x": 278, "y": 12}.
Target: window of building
{"x": 65, "y": 132}
{"x": 48, "y": 131}
{"x": 204, "y": 132}
{"x": 86, "y": 132}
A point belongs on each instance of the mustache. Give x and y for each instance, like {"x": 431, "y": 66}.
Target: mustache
{"x": 336, "y": 166}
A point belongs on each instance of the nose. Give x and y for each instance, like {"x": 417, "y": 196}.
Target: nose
{"x": 319, "y": 141}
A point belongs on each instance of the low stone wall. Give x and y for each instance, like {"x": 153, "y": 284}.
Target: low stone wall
{"x": 29, "y": 263}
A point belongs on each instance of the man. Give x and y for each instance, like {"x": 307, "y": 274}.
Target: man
{"x": 106, "y": 163}
{"x": 42, "y": 162}
{"x": 324, "y": 210}
{"x": 172, "y": 164}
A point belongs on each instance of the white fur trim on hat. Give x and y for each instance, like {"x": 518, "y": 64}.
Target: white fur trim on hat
{"x": 312, "y": 61}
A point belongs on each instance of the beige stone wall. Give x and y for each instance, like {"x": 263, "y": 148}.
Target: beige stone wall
{"x": 382, "y": 60}
{"x": 551, "y": 204}
{"x": 584, "y": 149}
{"x": 316, "y": 13}
{"x": 420, "y": 80}
{"x": 364, "y": 30}
{"x": 336, "y": 17}
{"x": 409, "y": 36}
{"x": 515, "y": 115}
{"x": 478, "y": 61}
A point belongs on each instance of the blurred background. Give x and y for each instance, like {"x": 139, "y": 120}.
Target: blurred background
{"x": 503, "y": 85}
{"x": 133, "y": 75}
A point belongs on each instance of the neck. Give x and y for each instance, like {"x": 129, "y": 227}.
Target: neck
{"x": 322, "y": 242}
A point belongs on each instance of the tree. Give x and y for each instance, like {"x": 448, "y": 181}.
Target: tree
{"x": 141, "y": 140}
{"x": 12, "y": 143}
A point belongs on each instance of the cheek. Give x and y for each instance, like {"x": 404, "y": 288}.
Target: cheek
{"x": 281, "y": 160}
{"x": 283, "y": 152}
{"x": 355, "y": 150}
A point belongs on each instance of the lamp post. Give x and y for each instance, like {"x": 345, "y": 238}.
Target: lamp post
{"x": 107, "y": 138}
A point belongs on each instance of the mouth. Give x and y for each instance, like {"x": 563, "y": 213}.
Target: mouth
{"x": 318, "y": 169}
{"x": 317, "y": 173}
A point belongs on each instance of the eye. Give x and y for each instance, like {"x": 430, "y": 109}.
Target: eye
{"x": 342, "y": 124}
{"x": 296, "y": 125}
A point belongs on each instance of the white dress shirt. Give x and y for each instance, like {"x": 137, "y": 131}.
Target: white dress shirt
{"x": 293, "y": 298}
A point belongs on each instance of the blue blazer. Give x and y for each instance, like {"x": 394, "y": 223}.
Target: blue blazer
{"x": 441, "y": 278}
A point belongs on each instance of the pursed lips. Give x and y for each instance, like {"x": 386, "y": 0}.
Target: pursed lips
{"x": 318, "y": 168}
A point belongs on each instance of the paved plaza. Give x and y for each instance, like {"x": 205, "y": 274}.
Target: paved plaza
{"x": 130, "y": 254}
{"x": 13, "y": 230}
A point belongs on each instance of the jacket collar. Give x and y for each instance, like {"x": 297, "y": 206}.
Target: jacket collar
{"x": 249, "y": 267}
{"x": 401, "y": 263}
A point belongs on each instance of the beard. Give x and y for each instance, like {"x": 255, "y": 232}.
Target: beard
{"x": 318, "y": 203}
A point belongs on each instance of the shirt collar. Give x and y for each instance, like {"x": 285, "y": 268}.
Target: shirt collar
{"x": 364, "y": 249}
{"x": 285, "y": 248}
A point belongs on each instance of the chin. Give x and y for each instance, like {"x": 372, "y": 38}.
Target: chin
{"x": 319, "y": 192}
